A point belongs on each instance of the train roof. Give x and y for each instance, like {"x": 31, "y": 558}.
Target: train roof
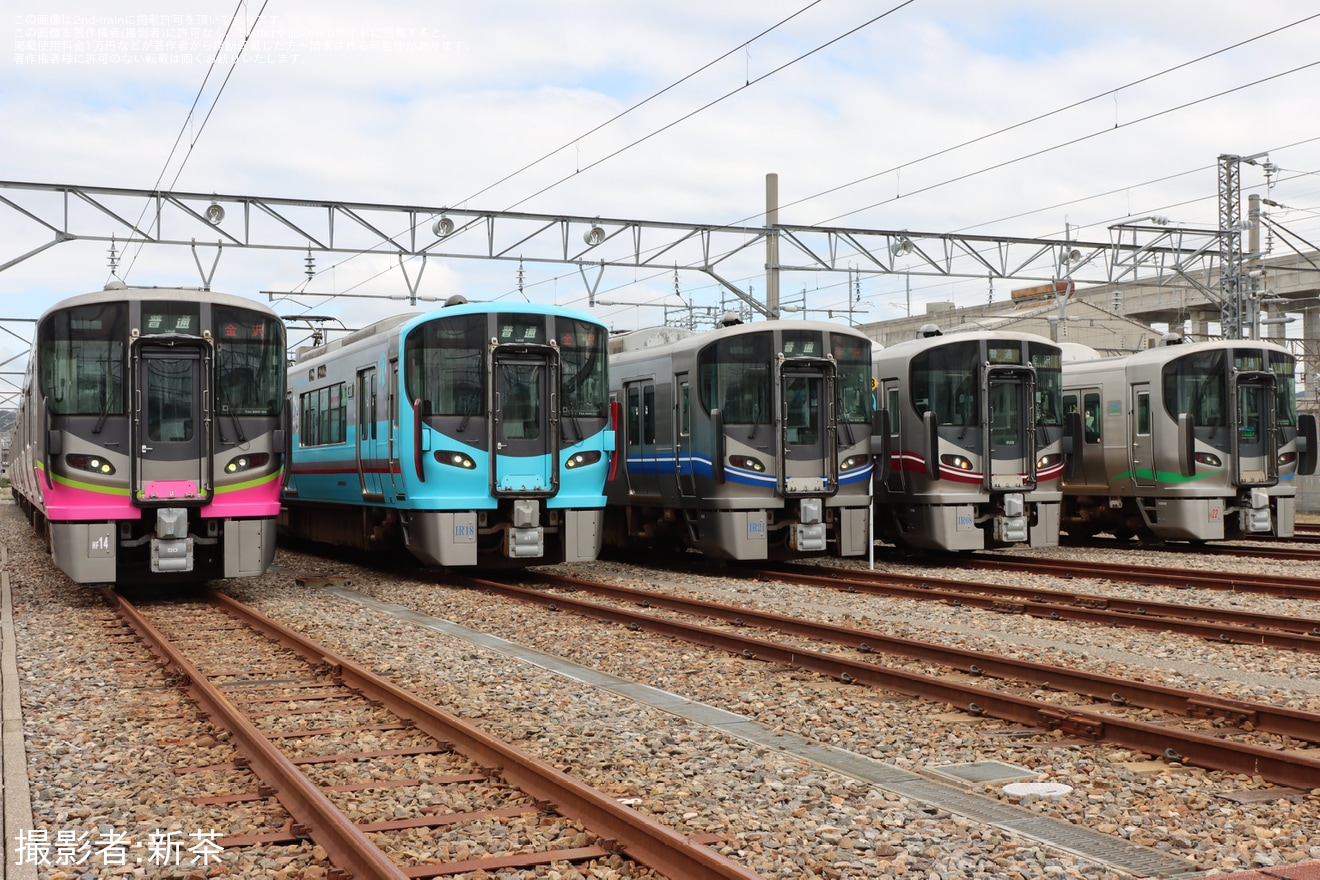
{"x": 455, "y": 307}
{"x": 119, "y": 291}
{"x": 908, "y": 347}
{"x": 1173, "y": 350}
{"x": 652, "y": 340}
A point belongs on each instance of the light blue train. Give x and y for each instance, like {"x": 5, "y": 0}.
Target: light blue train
{"x": 475, "y": 434}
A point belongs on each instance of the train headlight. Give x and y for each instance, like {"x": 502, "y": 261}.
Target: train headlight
{"x": 1209, "y": 459}
{"x": 961, "y": 462}
{"x": 94, "y": 464}
{"x": 456, "y": 459}
{"x": 853, "y": 461}
{"x": 246, "y": 462}
{"x": 747, "y": 462}
{"x": 582, "y": 459}
{"x": 1287, "y": 457}
{"x": 1048, "y": 460}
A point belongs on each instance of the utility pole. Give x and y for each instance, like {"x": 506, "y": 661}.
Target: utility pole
{"x": 772, "y": 245}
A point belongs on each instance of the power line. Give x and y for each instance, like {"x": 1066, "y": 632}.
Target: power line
{"x": 191, "y": 110}
{"x": 642, "y": 102}
{"x": 748, "y": 84}
{"x": 1105, "y": 94}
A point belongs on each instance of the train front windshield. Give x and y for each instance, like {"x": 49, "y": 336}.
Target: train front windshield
{"x": 249, "y": 362}
{"x": 446, "y": 365}
{"x": 735, "y": 378}
{"x": 853, "y": 358}
{"x": 1199, "y": 384}
{"x": 82, "y": 352}
{"x": 947, "y": 381}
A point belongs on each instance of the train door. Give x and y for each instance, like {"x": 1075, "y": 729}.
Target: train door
{"x": 526, "y": 424}
{"x": 893, "y": 396}
{"x": 1011, "y": 450}
{"x": 170, "y": 415}
{"x": 371, "y": 446}
{"x": 811, "y": 462}
{"x": 392, "y": 427}
{"x": 683, "y": 451}
{"x": 1143, "y": 441}
{"x": 643, "y": 467}
{"x": 1254, "y": 430}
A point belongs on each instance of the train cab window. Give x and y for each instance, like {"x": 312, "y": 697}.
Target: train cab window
{"x": 1284, "y": 367}
{"x": 892, "y": 406}
{"x": 250, "y": 370}
{"x": 1091, "y": 418}
{"x": 1198, "y": 384}
{"x": 943, "y": 383}
{"x": 734, "y": 377}
{"x": 853, "y": 359}
{"x": 802, "y": 406}
{"x": 83, "y": 357}
{"x": 445, "y": 365}
{"x": 584, "y": 388}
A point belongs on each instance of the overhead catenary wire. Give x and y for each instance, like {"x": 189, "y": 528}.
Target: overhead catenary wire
{"x": 233, "y": 18}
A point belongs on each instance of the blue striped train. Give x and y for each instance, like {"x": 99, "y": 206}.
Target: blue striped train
{"x": 749, "y": 441}
{"x": 477, "y": 433}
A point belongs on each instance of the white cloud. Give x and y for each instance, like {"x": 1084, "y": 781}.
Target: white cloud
{"x": 428, "y": 104}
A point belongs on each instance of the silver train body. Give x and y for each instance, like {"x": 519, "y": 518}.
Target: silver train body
{"x": 975, "y": 446}
{"x": 750, "y": 441}
{"x": 1187, "y": 442}
{"x": 150, "y": 432}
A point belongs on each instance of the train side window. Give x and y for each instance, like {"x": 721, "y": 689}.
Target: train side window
{"x": 634, "y": 416}
{"x": 1091, "y": 417}
{"x": 892, "y": 406}
{"x": 1143, "y": 413}
{"x": 648, "y": 414}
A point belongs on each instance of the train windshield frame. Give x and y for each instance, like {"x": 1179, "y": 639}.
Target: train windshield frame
{"x": 83, "y": 352}
{"x": 249, "y": 361}
{"x": 853, "y": 392}
{"x": 734, "y": 375}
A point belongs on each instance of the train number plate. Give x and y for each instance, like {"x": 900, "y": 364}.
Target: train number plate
{"x": 1006, "y": 481}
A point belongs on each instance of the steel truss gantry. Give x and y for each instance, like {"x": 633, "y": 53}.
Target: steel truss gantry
{"x": 131, "y": 217}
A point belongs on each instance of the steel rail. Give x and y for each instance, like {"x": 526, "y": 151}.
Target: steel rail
{"x": 1283, "y": 768}
{"x": 345, "y": 844}
{"x": 1303, "y": 726}
{"x": 1214, "y": 624}
{"x": 1282, "y": 586}
{"x": 637, "y": 836}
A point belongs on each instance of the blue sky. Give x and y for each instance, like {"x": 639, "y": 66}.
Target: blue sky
{"x": 411, "y": 102}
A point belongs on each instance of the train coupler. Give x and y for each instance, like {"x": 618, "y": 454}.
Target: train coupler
{"x": 1012, "y": 526}
{"x": 171, "y": 546}
{"x": 526, "y": 537}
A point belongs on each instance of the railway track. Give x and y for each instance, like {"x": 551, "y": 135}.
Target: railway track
{"x": 1223, "y": 734}
{"x": 295, "y": 709}
{"x": 1263, "y": 583}
{"x": 1229, "y": 626}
